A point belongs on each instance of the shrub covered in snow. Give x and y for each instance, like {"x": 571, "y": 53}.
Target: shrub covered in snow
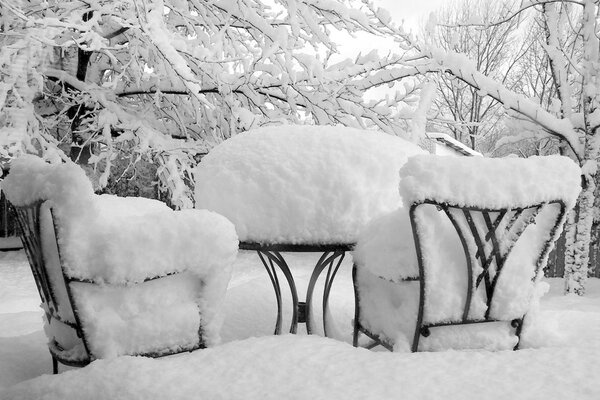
{"x": 119, "y": 243}
{"x": 302, "y": 184}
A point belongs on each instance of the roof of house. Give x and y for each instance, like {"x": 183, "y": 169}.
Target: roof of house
{"x": 452, "y": 143}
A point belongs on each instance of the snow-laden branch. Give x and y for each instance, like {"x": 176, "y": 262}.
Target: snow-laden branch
{"x": 143, "y": 73}
{"x": 464, "y": 69}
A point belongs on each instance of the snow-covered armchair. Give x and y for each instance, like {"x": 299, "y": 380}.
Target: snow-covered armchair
{"x": 458, "y": 268}
{"x": 118, "y": 275}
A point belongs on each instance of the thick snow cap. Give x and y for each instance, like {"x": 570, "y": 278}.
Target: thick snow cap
{"x": 31, "y": 179}
{"x": 490, "y": 182}
{"x": 120, "y": 239}
{"x": 302, "y": 184}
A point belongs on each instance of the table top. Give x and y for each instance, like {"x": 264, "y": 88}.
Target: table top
{"x": 297, "y": 248}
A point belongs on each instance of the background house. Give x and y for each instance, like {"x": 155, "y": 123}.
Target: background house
{"x": 443, "y": 144}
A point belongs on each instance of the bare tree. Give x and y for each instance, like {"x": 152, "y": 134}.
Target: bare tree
{"x": 469, "y": 115}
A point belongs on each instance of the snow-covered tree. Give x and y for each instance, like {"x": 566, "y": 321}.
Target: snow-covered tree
{"x": 571, "y": 115}
{"x": 168, "y": 79}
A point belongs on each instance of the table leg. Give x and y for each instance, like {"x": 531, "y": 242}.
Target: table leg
{"x": 270, "y": 259}
{"x": 328, "y": 259}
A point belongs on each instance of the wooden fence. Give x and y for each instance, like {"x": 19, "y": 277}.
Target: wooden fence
{"x": 9, "y": 228}
{"x": 8, "y": 222}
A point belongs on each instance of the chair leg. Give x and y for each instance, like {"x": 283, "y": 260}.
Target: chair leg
{"x": 518, "y": 325}
{"x": 54, "y": 365}
{"x": 356, "y": 324}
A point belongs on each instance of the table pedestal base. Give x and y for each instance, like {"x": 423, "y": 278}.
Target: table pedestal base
{"x": 302, "y": 312}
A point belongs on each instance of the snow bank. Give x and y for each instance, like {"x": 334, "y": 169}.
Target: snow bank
{"x": 125, "y": 241}
{"x": 491, "y": 182}
{"x": 312, "y": 367}
{"x": 385, "y": 252}
{"x": 302, "y": 184}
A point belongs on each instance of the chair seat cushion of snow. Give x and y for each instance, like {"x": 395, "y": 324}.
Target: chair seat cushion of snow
{"x": 469, "y": 249}
{"x": 119, "y": 276}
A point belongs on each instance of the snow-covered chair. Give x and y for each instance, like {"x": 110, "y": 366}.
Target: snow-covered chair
{"x": 459, "y": 268}
{"x": 119, "y": 276}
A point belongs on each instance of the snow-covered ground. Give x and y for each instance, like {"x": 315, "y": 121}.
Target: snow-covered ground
{"x": 561, "y": 363}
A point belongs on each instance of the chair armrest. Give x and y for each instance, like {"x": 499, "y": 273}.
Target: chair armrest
{"x": 133, "y": 249}
{"x": 386, "y": 247}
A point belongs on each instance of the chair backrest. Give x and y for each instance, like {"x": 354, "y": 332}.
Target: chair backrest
{"x": 29, "y": 221}
{"x": 503, "y": 250}
{"x": 44, "y": 259}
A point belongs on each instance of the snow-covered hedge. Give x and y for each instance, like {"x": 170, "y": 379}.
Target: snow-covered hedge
{"x": 123, "y": 241}
{"x": 386, "y": 247}
{"x": 302, "y": 184}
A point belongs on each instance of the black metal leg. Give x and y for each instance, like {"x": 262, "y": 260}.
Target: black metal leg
{"x": 276, "y": 259}
{"x": 275, "y": 281}
{"x": 356, "y": 324}
{"x": 518, "y": 325}
{"x": 419, "y": 323}
{"x": 331, "y": 273}
{"x": 54, "y": 365}
{"x": 319, "y": 266}
{"x": 357, "y": 328}
{"x": 326, "y": 260}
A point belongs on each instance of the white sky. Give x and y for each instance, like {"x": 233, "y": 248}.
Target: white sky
{"x": 411, "y": 11}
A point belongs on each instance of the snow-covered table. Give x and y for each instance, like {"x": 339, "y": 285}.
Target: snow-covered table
{"x": 302, "y": 189}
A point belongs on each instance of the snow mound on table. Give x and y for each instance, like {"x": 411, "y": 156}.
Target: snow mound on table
{"x": 490, "y": 182}
{"x": 123, "y": 242}
{"x": 302, "y": 184}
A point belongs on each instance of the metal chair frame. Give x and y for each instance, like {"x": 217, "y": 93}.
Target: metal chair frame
{"x": 29, "y": 221}
{"x": 519, "y": 219}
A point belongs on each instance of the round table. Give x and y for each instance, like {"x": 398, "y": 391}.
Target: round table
{"x": 302, "y": 188}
